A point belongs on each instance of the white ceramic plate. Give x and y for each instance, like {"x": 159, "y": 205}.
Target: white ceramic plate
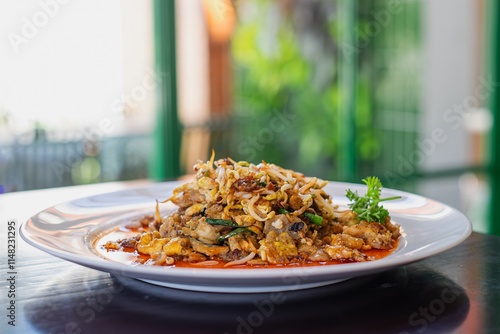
{"x": 71, "y": 230}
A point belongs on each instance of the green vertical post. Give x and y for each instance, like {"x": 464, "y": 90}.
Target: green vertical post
{"x": 165, "y": 162}
{"x": 493, "y": 10}
{"x": 347, "y": 153}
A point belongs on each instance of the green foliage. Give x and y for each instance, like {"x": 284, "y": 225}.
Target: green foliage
{"x": 276, "y": 72}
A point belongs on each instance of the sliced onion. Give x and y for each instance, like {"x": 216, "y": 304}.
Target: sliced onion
{"x": 322, "y": 203}
{"x": 241, "y": 261}
{"x": 206, "y": 263}
{"x": 276, "y": 173}
{"x": 221, "y": 173}
{"x": 251, "y": 209}
{"x": 211, "y": 163}
{"x": 308, "y": 185}
{"x": 321, "y": 183}
{"x": 303, "y": 208}
{"x": 242, "y": 194}
{"x": 255, "y": 168}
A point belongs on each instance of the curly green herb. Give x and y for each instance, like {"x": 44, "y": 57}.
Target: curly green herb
{"x": 367, "y": 207}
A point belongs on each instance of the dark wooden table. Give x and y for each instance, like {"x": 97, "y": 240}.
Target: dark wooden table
{"x": 455, "y": 292}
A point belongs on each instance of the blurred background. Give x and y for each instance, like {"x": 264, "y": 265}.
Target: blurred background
{"x": 407, "y": 90}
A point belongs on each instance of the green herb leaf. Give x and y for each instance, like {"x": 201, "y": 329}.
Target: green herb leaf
{"x": 367, "y": 207}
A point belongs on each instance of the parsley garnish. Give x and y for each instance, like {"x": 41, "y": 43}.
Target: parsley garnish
{"x": 368, "y": 207}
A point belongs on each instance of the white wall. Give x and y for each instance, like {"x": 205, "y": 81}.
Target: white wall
{"x": 451, "y": 78}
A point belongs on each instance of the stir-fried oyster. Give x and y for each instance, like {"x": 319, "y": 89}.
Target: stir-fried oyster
{"x": 238, "y": 213}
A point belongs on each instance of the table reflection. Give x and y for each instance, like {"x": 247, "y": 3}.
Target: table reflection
{"x": 404, "y": 300}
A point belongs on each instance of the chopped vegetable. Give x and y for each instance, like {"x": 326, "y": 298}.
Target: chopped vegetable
{"x": 232, "y": 234}
{"x": 315, "y": 219}
{"x": 230, "y": 223}
{"x": 223, "y": 222}
{"x": 283, "y": 211}
{"x": 367, "y": 207}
